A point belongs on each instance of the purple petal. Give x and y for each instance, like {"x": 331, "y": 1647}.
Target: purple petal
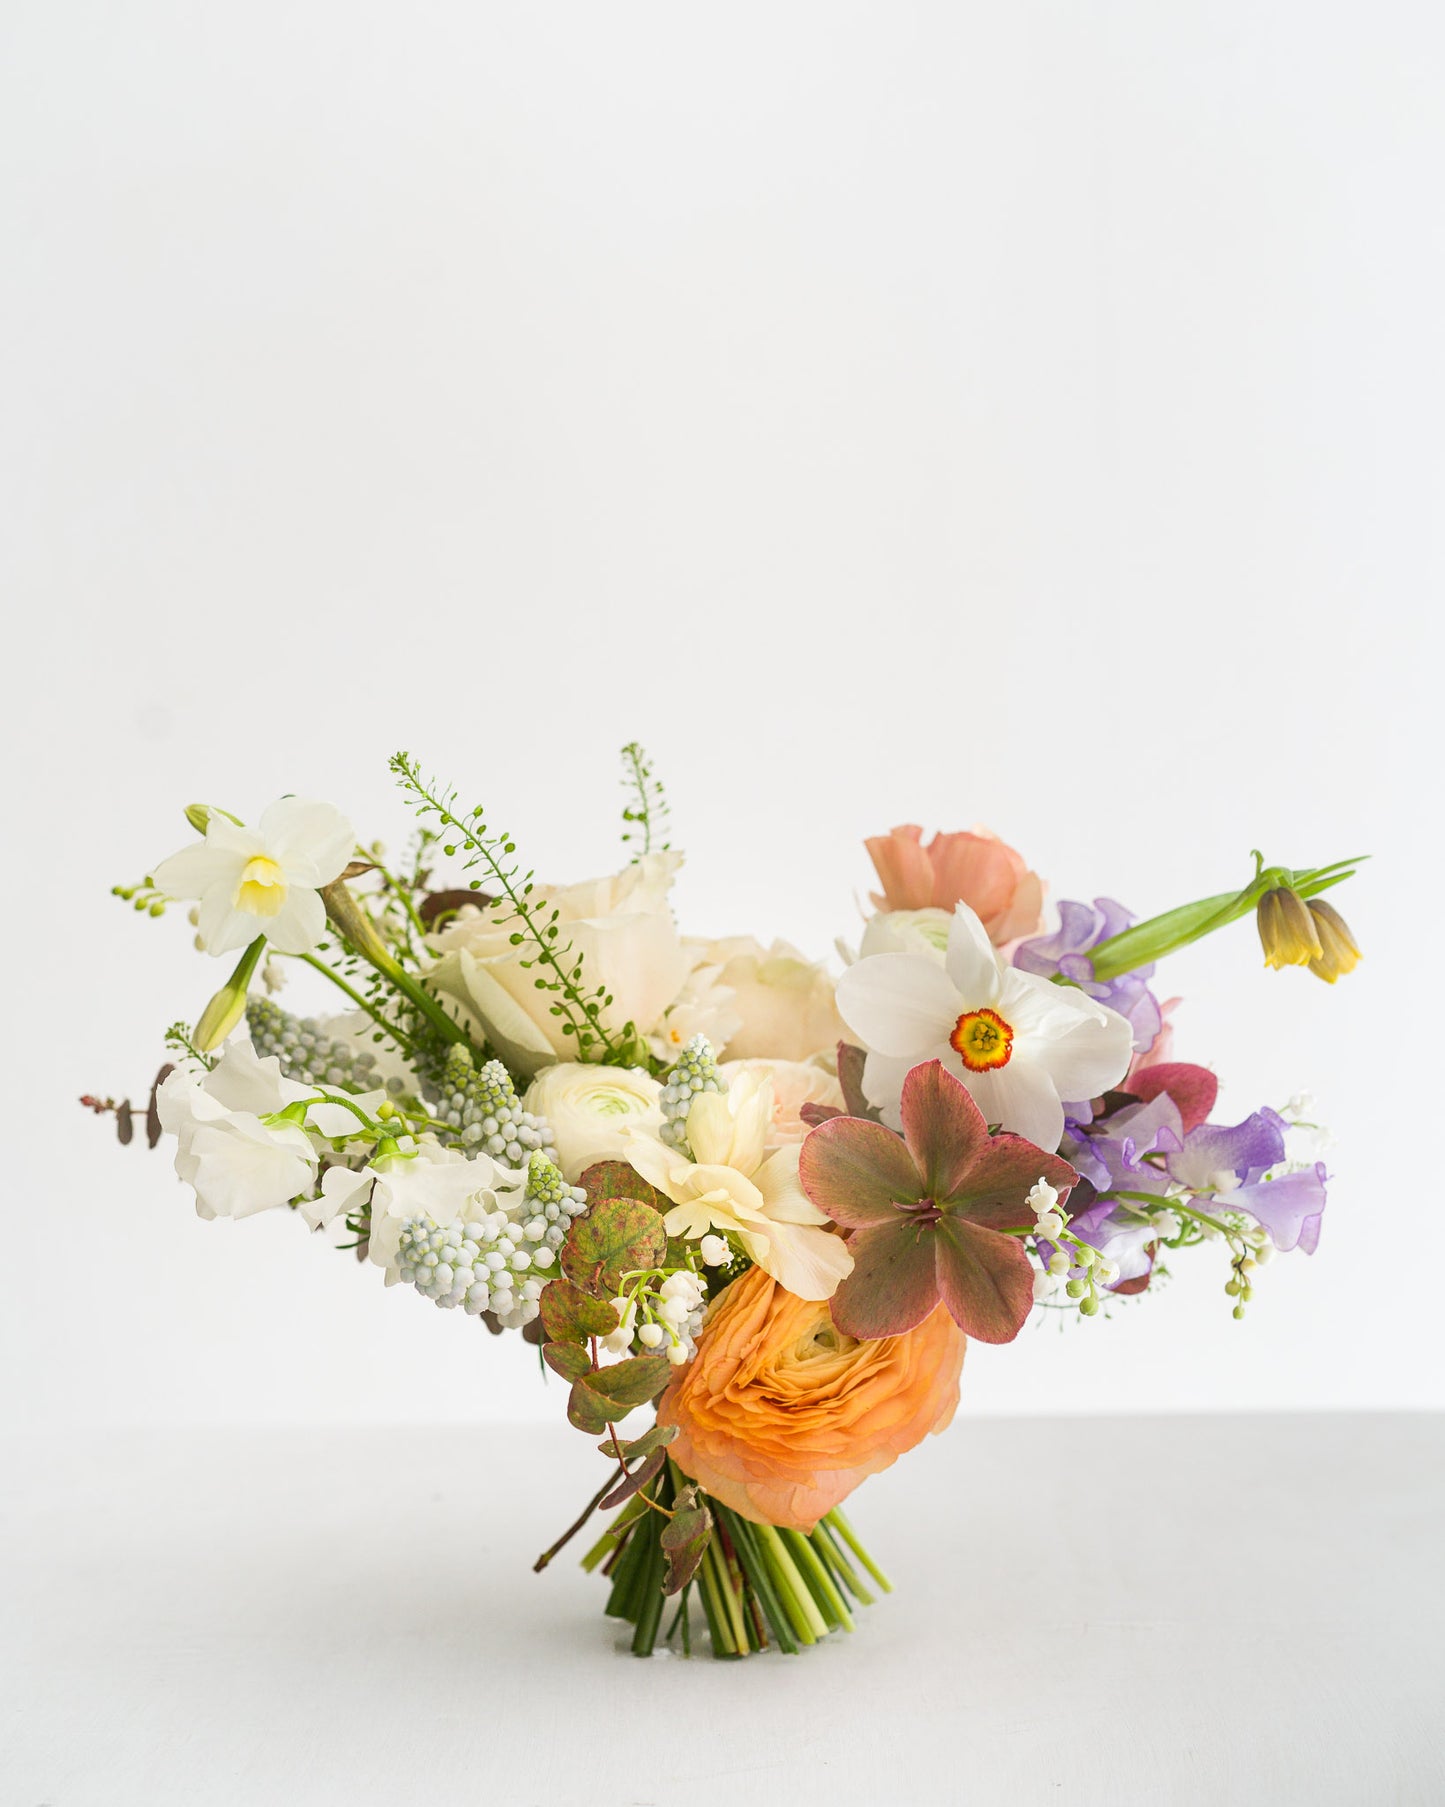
{"x": 1289, "y": 1208}
{"x": 1251, "y": 1147}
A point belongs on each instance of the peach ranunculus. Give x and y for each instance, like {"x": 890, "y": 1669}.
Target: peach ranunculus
{"x": 780, "y": 1416}
{"x": 975, "y": 868}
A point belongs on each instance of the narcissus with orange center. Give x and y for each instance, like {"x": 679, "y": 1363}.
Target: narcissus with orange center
{"x": 982, "y": 1040}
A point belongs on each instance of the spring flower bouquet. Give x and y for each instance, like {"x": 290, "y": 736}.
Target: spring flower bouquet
{"x": 704, "y": 1177}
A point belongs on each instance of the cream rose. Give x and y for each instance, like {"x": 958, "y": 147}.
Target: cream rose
{"x": 621, "y": 926}
{"x": 782, "y": 1000}
{"x": 795, "y": 1083}
{"x": 591, "y": 1109}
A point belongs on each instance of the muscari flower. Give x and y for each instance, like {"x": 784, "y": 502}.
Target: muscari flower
{"x": 263, "y": 880}
{"x": 930, "y": 1212}
{"x": 1019, "y": 1043}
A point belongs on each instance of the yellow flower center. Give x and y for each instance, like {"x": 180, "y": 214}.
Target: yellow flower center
{"x": 982, "y": 1040}
{"x": 262, "y": 889}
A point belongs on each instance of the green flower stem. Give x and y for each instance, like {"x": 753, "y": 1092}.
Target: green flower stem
{"x": 730, "y": 1639}
{"x": 828, "y": 1546}
{"x": 746, "y": 1540}
{"x": 402, "y": 1040}
{"x": 820, "y": 1582}
{"x": 807, "y": 1621}
{"x": 356, "y": 929}
{"x": 1148, "y": 941}
{"x": 839, "y": 1523}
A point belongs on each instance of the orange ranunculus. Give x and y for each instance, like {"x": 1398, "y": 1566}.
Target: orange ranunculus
{"x": 780, "y": 1416}
{"x": 975, "y": 868}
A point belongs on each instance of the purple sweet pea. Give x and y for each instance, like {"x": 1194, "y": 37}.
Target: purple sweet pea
{"x": 1232, "y": 1161}
{"x": 1081, "y": 927}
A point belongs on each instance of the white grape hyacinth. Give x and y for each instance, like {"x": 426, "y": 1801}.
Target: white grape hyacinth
{"x": 264, "y": 880}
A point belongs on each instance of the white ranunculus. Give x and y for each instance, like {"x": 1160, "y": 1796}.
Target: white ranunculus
{"x": 621, "y": 926}
{"x": 907, "y": 932}
{"x": 263, "y": 880}
{"x": 590, "y": 1109}
{"x": 1022, "y": 1045}
{"x": 234, "y": 1161}
{"x": 783, "y": 1001}
{"x": 795, "y": 1083}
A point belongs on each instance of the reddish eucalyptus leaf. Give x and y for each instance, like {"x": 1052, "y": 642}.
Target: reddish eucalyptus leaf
{"x": 986, "y": 1280}
{"x": 639, "y": 1477}
{"x": 893, "y": 1285}
{"x": 857, "y": 1173}
{"x": 1193, "y": 1089}
{"x": 616, "y": 1179}
{"x": 570, "y": 1360}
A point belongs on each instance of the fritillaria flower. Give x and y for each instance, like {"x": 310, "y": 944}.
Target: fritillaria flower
{"x": 931, "y": 1212}
{"x": 1338, "y": 953}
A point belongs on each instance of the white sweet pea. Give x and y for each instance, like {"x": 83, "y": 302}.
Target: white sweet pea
{"x": 428, "y": 1181}
{"x": 236, "y": 1162}
{"x": 1021, "y": 1044}
{"x": 736, "y": 1186}
{"x": 263, "y": 880}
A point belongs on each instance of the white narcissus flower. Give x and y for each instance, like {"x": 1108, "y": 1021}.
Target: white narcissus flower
{"x": 795, "y": 1083}
{"x": 736, "y": 1186}
{"x": 1022, "y": 1045}
{"x": 590, "y": 1109}
{"x": 622, "y": 928}
{"x": 263, "y": 880}
{"x": 236, "y": 1163}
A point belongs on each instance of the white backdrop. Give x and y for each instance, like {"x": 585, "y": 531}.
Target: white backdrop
{"x": 1027, "y": 414}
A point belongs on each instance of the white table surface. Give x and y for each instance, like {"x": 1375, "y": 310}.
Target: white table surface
{"x": 1211, "y": 1610}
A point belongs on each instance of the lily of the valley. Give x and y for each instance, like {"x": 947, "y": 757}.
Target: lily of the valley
{"x": 1020, "y": 1044}
{"x": 732, "y": 1184}
{"x": 263, "y": 880}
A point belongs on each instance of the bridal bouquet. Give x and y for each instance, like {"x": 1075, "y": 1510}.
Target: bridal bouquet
{"x": 705, "y": 1177}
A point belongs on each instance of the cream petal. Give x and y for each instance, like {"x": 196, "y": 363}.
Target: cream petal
{"x": 971, "y": 961}
{"x": 194, "y": 870}
{"x": 784, "y": 1200}
{"x": 1019, "y": 1096}
{"x": 223, "y": 928}
{"x": 312, "y": 842}
{"x": 298, "y": 925}
{"x": 808, "y": 1262}
{"x": 710, "y": 1129}
{"x": 902, "y": 1005}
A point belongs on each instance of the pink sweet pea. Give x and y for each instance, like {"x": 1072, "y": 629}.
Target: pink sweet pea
{"x": 975, "y": 868}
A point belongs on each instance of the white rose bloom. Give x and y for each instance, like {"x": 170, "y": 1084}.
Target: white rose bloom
{"x": 795, "y": 1083}
{"x": 907, "y": 932}
{"x": 264, "y": 880}
{"x": 236, "y": 1163}
{"x": 622, "y": 927}
{"x": 590, "y": 1109}
{"x": 783, "y": 1001}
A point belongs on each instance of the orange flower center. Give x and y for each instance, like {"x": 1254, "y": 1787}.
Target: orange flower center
{"x": 982, "y": 1040}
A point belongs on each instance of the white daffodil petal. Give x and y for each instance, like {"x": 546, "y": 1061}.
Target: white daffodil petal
{"x": 903, "y": 1005}
{"x": 1091, "y": 1055}
{"x": 192, "y": 871}
{"x": 1022, "y": 1098}
{"x": 298, "y": 925}
{"x": 883, "y": 1078}
{"x": 971, "y": 961}
{"x": 312, "y": 841}
{"x": 221, "y": 926}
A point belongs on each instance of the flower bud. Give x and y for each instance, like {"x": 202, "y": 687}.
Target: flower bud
{"x": 1286, "y": 929}
{"x": 228, "y": 1006}
{"x": 1338, "y": 953}
{"x": 199, "y": 816}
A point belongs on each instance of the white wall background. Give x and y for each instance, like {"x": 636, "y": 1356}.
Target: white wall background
{"x": 1024, "y": 413}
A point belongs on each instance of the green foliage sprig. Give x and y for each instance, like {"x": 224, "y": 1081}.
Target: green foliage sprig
{"x": 557, "y": 963}
{"x": 647, "y": 814}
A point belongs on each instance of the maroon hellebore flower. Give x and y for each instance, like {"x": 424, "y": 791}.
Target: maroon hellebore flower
{"x": 928, "y": 1212}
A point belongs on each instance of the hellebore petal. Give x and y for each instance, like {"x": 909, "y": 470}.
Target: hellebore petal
{"x": 1193, "y": 1089}
{"x": 893, "y": 1285}
{"x": 857, "y": 1172}
{"x": 985, "y": 1279}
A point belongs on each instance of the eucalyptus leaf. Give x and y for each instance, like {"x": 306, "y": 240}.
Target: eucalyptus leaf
{"x": 616, "y": 1237}
{"x": 570, "y": 1315}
